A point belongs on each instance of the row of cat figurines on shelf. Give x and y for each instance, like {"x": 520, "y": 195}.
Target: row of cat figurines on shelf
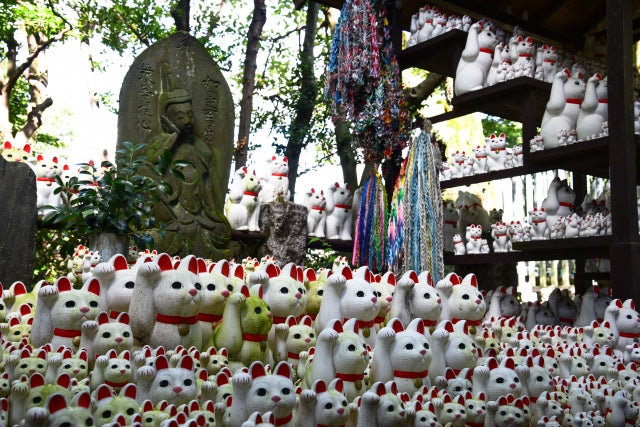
{"x": 499, "y": 348}
{"x": 331, "y": 213}
{"x": 490, "y": 57}
{"x": 491, "y": 157}
{"x": 504, "y": 234}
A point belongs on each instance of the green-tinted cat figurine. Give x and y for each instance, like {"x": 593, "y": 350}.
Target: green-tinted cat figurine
{"x": 244, "y": 329}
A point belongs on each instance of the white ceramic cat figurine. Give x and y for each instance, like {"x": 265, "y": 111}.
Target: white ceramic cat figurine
{"x": 402, "y": 356}
{"x": 109, "y": 405}
{"x": 349, "y": 296}
{"x": 100, "y": 335}
{"x": 459, "y": 247}
{"x": 276, "y": 185}
{"x": 459, "y": 160}
{"x": 495, "y": 64}
{"x": 113, "y": 369}
{"x": 46, "y": 172}
{"x": 474, "y": 239}
{"x": 258, "y": 391}
{"x": 452, "y": 348}
{"x": 382, "y": 406}
{"x": 339, "y": 222}
{"x": 285, "y": 293}
{"x": 217, "y": 284}
{"x": 317, "y": 204}
{"x": 480, "y": 159}
{"x": 341, "y": 353}
{"x": 501, "y": 241}
{"x": 322, "y": 405}
{"x": 538, "y": 221}
{"x": 117, "y": 281}
{"x": 474, "y": 64}
{"x": 461, "y": 299}
{"x": 496, "y": 152}
{"x": 162, "y": 382}
{"x": 559, "y": 201}
{"x": 624, "y": 321}
{"x": 594, "y": 110}
{"x": 526, "y": 56}
{"x": 499, "y": 379}
{"x": 165, "y": 303}
{"x": 563, "y": 107}
{"x": 244, "y": 200}
{"x": 548, "y": 57}
{"x": 61, "y": 310}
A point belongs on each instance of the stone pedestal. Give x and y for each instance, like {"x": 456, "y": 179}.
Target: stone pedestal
{"x": 17, "y": 222}
{"x": 285, "y": 228}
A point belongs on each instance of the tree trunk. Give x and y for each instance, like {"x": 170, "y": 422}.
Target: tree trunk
{"x": 180, "y": 14}
{"x": 38, "y": 79}
{"x": 249, "y": 81}
{"x": 346, "y": 153}
{"x": 6, "y": 86}
{"x": 307, "y": 100}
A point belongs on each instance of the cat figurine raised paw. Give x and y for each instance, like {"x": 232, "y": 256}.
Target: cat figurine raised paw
{"x": 476, "y": 59}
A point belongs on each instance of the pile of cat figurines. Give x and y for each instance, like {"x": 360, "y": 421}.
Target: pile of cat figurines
{"x": 469, "y": 229}
{"x": 576, "y": 110}
{"x": 168, "y": 341}
{"x": 46, "y": 169}
{"x": 330, "y": 213}
{"x": 494, "y": 155}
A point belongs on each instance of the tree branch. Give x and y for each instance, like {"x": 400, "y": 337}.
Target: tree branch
{"x": 249, "y": 80}
{"x": 414, "y": 96}
{"x": 139, "y": 35}
{"x": 32, "y": 57}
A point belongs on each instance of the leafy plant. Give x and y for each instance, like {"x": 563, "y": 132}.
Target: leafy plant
{"x": 114, "y": 200}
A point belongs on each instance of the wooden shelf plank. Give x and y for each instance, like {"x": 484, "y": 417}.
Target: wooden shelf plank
{"x": 505, "y": 99}
{"x": 335, "y": 244}
{"x": 484, "y": 177}
{"x": 439, "y": 54}
{"x": 539, "y": 250}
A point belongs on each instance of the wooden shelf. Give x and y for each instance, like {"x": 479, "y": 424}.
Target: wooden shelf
{"x": 510, "y": 100}
{"x": 484, "y": 177}
{"x": 335, "y": 244}
{"x": 577, "y": 248}
{"x": 439, "y": 54}
{"x": 586, "y": 157}
{"x": 540, "y": 250}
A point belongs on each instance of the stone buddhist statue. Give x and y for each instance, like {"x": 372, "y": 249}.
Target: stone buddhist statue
{"x": 174, "y": 97}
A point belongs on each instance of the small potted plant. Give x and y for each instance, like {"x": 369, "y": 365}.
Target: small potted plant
{"x": 110, "y": 207}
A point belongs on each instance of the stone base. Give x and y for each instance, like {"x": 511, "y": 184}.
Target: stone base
{"x": 285, "y": 227}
